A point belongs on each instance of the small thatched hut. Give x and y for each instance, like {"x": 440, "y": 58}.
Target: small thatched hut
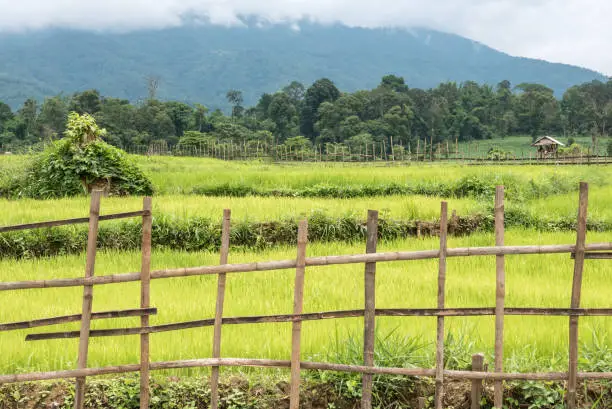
{"x": 547, "y": 146}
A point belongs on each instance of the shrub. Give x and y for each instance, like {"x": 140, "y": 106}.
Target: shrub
{"x": 79, "y": 163}
{"x": 573, "y": 150}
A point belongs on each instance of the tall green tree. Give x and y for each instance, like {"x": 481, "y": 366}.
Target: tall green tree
{"x": 283, "y": 113}
{"x": 86, "y": 102}
{"x": 235, "y": 98}
{"x": 53, "y": 116}
{"x": 321, "y": 91}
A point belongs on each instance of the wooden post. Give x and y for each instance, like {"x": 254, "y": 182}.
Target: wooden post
{"x": 500, "y": 295}
{"x": 576, "y": 292}
{"x": 369, "y": 320}
{"x": 214, "y": 376}
{"x": 392, "y": 150}
{"x": 145, "y": 300}
{"x": 298, "y": 307}
{"x": 92, "y": 241}
{"x": 421, "y": 403}
{"x": 477, "y": 366}
{"x": 456, "y": 146}
{"x": 441, "y": 292}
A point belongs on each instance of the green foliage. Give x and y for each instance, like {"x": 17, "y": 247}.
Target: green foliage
{"x": 391, "y": 113}
{"x": 77, "y": 164}
{"x": 391, "y": 350}
{"x": 497, "y": 154}
{"x": 535, "y": 395}
{"x": 82, "y": 129}
{"x": 193, "y": 140}
{"x": 573, "y": 150}
{"x": 597, "y": 355}
{"x": 475, "y": 186}
{"x": 298, "y": 143}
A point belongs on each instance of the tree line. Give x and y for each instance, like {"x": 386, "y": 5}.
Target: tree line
{"x": 321, "y": 114}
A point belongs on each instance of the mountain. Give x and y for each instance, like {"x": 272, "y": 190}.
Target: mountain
{"x": 200, "y": 63}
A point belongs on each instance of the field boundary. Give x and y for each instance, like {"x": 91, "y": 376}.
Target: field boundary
{"x": 379, "y": 152}
{"x": 579, "y": 252}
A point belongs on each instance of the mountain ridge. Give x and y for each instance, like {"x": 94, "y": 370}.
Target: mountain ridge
{"x": 199, "y": 63}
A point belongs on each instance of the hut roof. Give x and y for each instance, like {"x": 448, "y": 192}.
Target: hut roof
{"x": 546, "y": 140}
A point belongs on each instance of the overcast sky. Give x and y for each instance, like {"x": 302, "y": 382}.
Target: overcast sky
{"x": 571, "y": 31}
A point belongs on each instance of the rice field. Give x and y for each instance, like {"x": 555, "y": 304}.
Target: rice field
{"x": 532, "y": 281}
{"x": 247, "y": 208}
{"x": 181, "y": 175}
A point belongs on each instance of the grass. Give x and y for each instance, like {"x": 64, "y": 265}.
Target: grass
{"x": 248, "y": 208}
{"x": 536, "y": 281}
{"x": 270, "y": 208}
{"x": 181, "y": 175}
{"x": 518, "y": 145}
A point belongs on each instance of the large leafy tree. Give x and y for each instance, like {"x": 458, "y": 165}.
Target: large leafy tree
{"x": 282, "y": 112}
{"x": 321, "y": 91}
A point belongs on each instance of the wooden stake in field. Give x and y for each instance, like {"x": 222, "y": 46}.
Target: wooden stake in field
{"x": 92, "y": 241}
{"x": 478, "y": 366}
{"x": 499, "y": 296}
{"x": 576, "y": 292}
{"x": 369, "y": 317}
{"x": 441, "y": 293}
{"x": 298, "y": 308}
{"x": 221, "y": 280}
{"x": 145, "y": 300}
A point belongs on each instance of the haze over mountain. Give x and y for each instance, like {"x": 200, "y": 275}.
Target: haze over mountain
{"x": 200, "y": 63}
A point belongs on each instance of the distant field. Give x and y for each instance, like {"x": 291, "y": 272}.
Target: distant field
{"x": 181, "y": 175}
{"x": 518, "y": 145}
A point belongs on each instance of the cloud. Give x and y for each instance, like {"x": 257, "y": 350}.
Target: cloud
{"x": 570, "y": 31}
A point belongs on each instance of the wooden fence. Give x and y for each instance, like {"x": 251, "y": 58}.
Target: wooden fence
{"x": 579, "y": 251}
{"x": 374, "y": 152}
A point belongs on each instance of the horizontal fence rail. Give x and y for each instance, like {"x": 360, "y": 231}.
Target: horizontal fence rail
{"x": 66, "y": 222}
{"x": 139, "y": 312}
{"x": 580, "y": 252}
{"x": 269, "y": 363}
{"x": 316, "y": 316}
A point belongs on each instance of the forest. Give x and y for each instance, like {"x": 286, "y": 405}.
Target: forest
{"x": 322, "y": 114}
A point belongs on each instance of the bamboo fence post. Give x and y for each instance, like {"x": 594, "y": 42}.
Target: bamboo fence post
{"x": 441, "y": 292}
{"x": 92, "y": 241}
{"x": 145, "y": 300}
{"x": 456, "y": 146}
{"x": 576, "y": 292}
{"x": 298, "y": 307}
{"x": 221, "y": 280}
{"x": 477, "y": 366}
{"x": 499, "y": 296}
{"x": 369, "y": 316}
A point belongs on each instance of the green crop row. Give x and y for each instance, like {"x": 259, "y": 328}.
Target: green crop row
{"x": 199, "y": 233}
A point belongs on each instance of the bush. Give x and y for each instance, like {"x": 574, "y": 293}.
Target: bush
{"x": 498, "y": 154}
{"x": 574, "y": 149}
{"x": 79, "y": 163}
